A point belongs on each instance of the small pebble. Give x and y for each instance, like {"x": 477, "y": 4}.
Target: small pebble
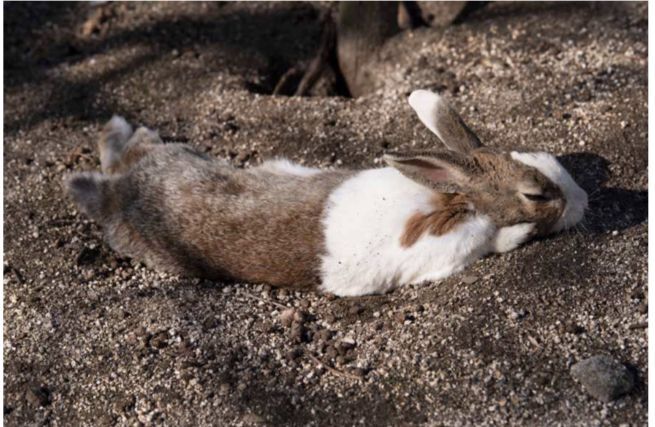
{"x": 330, "y": 297}
{"x": 286, "y": 317}
{"x": 87, "y": 256}
{"x": 469, "y": 279}
{"x": 360, "y": 372}
{"x": 159, "y": 340}
{"x": 324, "y": 335}
{"x": 293, "y": 354}
{"x": 38, "y": 396}
{"x": 224, "y": 389}
{"x": 304, "y": 304}
{"x": 356, "y": 309}
{"x": 252, "y": 419}
{"x": 298, "y": 333}
{"x": 516, "y": 314}
{"x": 299, "y": 317}
{"x": 573, "y": 328}
{"x": 331, "y": 352}
{"x": 402, "y": 317}
{"x": 346, "y": 345}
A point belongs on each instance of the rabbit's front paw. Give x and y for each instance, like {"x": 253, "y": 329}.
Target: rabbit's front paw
{"x": 508, "y": 238}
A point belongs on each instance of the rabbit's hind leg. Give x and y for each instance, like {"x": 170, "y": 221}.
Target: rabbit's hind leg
{"x": 112, "y": 139}
{"x": 120, "y": 148}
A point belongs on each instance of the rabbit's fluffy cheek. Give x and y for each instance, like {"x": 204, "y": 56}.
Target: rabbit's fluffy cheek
{"x": 509, "y": 238}
{"x": 576, "y": 197}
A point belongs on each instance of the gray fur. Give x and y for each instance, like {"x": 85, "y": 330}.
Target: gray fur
{"x": 183, "y": 212}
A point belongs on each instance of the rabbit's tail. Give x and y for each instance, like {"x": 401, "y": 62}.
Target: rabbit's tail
{"x": 90, "y": 192}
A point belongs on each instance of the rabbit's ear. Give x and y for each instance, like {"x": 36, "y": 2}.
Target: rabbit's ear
{"x": 445, "y": 171}
{"x": 443, "y": 121}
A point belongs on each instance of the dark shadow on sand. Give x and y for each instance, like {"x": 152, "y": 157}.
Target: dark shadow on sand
{"x": 609, "y": 209}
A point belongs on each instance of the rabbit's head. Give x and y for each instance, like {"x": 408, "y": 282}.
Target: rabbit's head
{"x": 509, "y": 187}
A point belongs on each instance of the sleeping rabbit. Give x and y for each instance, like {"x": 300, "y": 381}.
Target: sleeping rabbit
{"x": 424, "y": 217}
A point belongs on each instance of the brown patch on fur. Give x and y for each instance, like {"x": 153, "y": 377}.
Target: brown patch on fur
{"x": 450, "y": 210}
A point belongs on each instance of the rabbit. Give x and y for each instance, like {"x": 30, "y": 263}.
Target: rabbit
{"x": 425, "y": 216}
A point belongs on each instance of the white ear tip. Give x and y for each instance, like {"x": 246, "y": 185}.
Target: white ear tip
{"x": 421, "y": 99}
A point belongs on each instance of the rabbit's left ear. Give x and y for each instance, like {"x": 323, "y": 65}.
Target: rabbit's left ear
{"x": 444, "y": 171}
{"x": 443, "y": 121}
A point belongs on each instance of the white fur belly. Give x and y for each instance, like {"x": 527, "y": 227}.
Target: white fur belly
{"x": 364, "y": 221}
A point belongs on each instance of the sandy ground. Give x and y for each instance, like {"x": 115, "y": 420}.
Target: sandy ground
{"x": 90, "y": 338}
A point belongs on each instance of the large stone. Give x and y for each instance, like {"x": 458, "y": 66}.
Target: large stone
{"x": 603, "y": 377}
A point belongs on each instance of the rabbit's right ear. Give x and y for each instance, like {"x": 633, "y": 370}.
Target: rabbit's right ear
{"x": 443, "y": 121}
{"x": 444, "y": 171}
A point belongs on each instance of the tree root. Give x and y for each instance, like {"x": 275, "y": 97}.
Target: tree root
{"x": 311, "y": 71}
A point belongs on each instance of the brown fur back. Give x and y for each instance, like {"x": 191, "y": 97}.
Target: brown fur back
{"x": 182, "y": 212}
